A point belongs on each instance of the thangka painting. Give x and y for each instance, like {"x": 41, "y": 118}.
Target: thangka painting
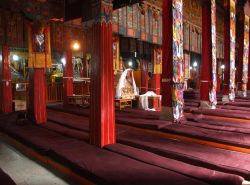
{"x": 129, "y": 17}
{"x": 187, "y": 66}
{"x": 115, "y": 21}
{"x": 2, "y": 22}
{"x": 212, "y": 94}
{"x": 132, "y": 22}
{"x": 178, "y": 72}
{"x": 155, "y": 30}
{"x": 39, "y": 46}
{"x": 136, "y": 19}
{"x": 186, "y": 28}
{"x": 232, "y": 50}
{"x": 245, "y": 56}
{"x": 157, "y": 61}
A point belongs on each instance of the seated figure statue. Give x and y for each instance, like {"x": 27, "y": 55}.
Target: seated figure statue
{"x": 126, "y": 88}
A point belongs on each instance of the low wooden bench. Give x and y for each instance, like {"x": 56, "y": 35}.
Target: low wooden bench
{"x": 123, "y": 103}
{"x": 75, "y": 100}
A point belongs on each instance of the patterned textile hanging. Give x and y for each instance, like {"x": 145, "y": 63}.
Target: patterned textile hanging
{"x": 39, "y": 45}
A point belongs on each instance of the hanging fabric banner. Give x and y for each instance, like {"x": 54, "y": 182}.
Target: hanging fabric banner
{"x": 245, "y": 56}
{"x": 212, "y": 94}
{"x": 178, "y": 74}
{"x": 39, "y": 46}
{"x": 157, "y": 61}
{"x": 232, "y": 50}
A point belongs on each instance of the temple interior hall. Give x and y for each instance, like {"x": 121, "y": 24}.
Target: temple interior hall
{"x": 124, "y": 92}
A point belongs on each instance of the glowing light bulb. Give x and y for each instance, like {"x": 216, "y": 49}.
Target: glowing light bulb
{"x": 195, "y": 64}
{"x": 15, "y": 58}
{"x": 222, "y": 66}
{"x": 130, "y": 63}
{"x": 76, "y": 46}
{"x": 63, "y": 60}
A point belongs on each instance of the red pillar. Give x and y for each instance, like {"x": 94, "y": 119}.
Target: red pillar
{"x": 226, "y": 81}
{"x": 68, "y": 77}
{"x": 6, "y": 98}
{"x": 102, "y": 115}
{"x": 144, "y": 76}
{"x": 248, "y": 82}
{"x": 37, "y": 98}
{"x": 240, "y": 41}
{"x": 167, "y": 54}
{"x": 155, "y": 83}
{"x": 206, "y": 67}
{"x": 172, "y": 79}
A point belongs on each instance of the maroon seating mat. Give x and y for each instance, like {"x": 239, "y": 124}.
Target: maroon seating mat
{"x": 219, "y": 124}
{"x": 5, "y": 178}
{"x": 96, "y": 164}
{"x": 230, "y": 133}
{"x": 190, "y": 128}
{"x": 223, "y": 113}
{"x": 230, "y": 107}
{"x": 239, "y": 103}
{"x": 207, "y": 175}
{"x": 195, "y": 154}
{"x": 68, "y": 120}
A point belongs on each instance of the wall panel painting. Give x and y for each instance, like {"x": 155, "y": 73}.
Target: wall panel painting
{"x": 245, "y": 56}
{"x": 212, "y": 94}
{"x": 232, "y": 84}
{"x": 178, "y": 62}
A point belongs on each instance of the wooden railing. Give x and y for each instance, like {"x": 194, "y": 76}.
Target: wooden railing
{"x": 54, "y": 91}
{"x": 81, "y": 88}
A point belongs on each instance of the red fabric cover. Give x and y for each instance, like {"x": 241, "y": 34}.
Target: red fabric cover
{"x": 85, "y": 159}
{"x": 48, "y": 141}
{"x": 240, "y": 41}
{"x": 223, "y": 113}
{"x": 155, "y": 83}
{"x": 206, "y": 66}
{"x": 191, "y": 153}
{"x": 68, "y": 77}
{"x": 204, "y": 174}
{"x": 248, "y": 82}
{"x": 37, "y": 95}
{"x": 102, "y": 114}
{"x": 167, "y": 53}
{"x": 6, "y": 85}
{"x": 144, "y": 76}
{"x": 5, "y": 178}
{"x": 226, "y": 47}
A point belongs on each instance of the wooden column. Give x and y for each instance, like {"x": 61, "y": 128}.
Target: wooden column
{"x": 229, "y": 51}
{"x": 102, "y": 115}
{"x": 245, "y": 57}
{"x": 39, "y": 60}
{"x": 37, "y": 95}
{"x": 155, "y": 83}
{"x": 172, "y": 63}
{"x": 68, "y": 77}
{"x": 248, "y": 83}
{"x": 226, "y": 82}
{"x": 144, "y": 76}
{"x": 6, "y": 97}
{"x": 208, "y": 67}
{"x": 240, "y": 41}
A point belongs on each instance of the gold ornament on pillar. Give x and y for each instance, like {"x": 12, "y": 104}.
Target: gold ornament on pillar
{"x": 157, "y": 61}
{"x": 39, "y": 45}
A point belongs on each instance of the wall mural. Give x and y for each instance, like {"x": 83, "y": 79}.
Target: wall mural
{"x": 212, "y": 94}
{"x": 232, "y": 50}
{"x": 245, "y": 56}
{"x": 178, "y": 74}
{"x": 130, "y": 21}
